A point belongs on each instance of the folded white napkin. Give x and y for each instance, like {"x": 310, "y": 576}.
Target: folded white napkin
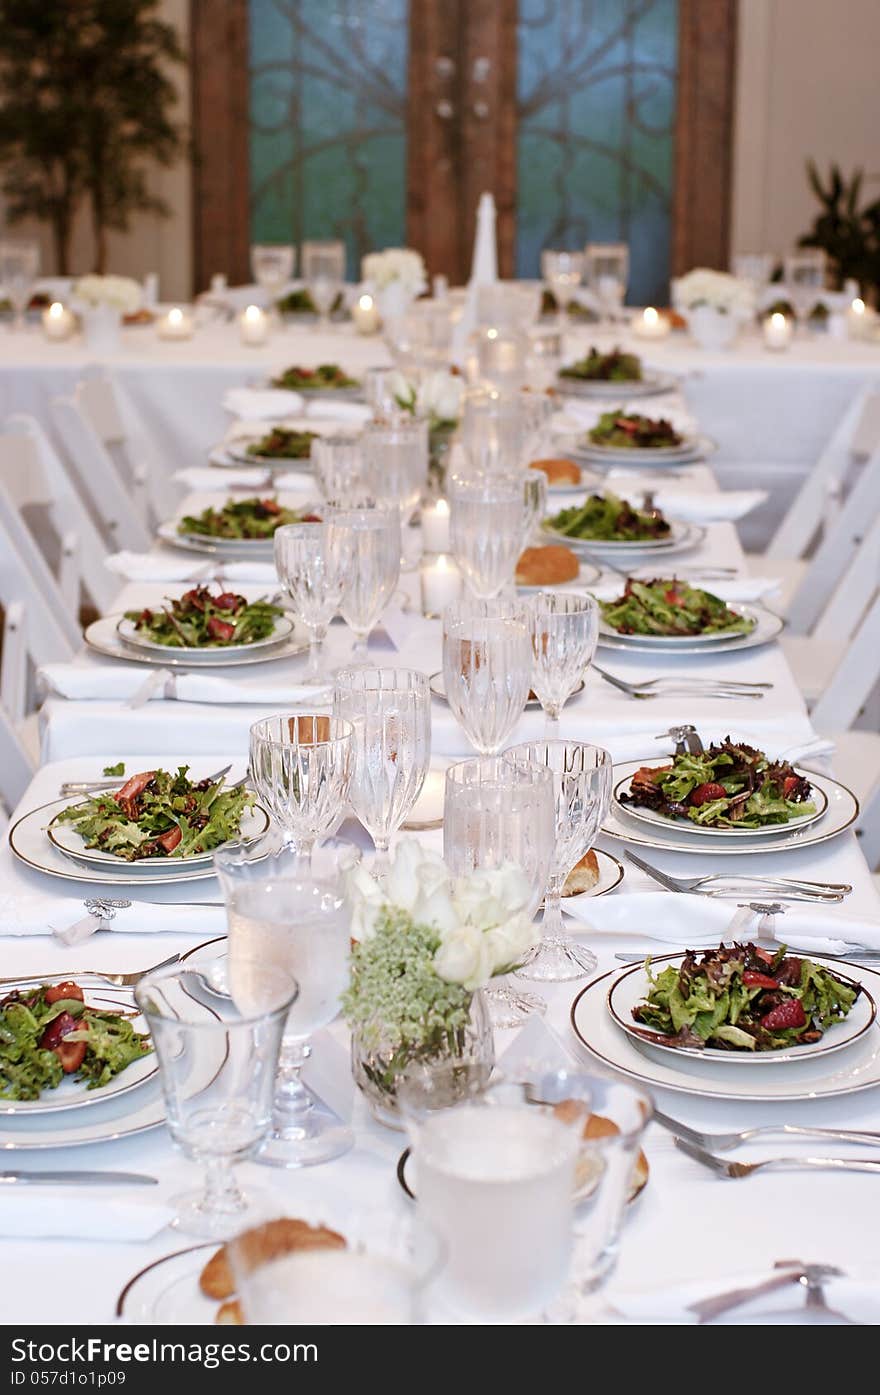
{"x": 81, "y": 1213}
{"x": 336, "y": 409}
{"x": 29, "y": 914}
{"x": 710, "y": 506}
{"x": 689, "y": 922}
{"x": 261, "y": 404}
{"x": 159, "y": 566}
{"x": 124, "y": 683}
{"x": 247, "y": 478}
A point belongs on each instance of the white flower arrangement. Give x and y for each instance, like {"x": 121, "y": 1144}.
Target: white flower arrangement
{"x": 118, "y": 292}
{"x": 716, "y": 289}
{"x": 395, "y": 264}
{"x": 437, "y": 397}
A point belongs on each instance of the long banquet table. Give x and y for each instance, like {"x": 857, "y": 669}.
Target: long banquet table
{"x": 688, "y": 1224}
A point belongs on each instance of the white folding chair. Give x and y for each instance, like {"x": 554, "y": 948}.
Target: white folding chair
{"x": 34, "y": 475}
{"x": 122, "y": 520}
{"x": 19, "y": 755}
{"x": 120, "y": 426}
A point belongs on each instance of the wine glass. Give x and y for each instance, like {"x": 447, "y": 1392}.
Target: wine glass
{"x": 491, "y": 431}
{"x": 272, "y": 265}
{"x": 563, "y": 272}
{"x": 582, "y": 785}
{"x": 313, "y": 575}
{"x": 217, "y": 1036}
{"x": 607, "y": 273}
{"x": 804, "y": 275}
{"x": 368, "y": 539}
{"x": 486, "y": 530}
{"x": 755, "y": 268}
{"x": 565, "y": 628}
{"x": 534, "y": 487}
{"x": 396, "y": 462}
{"x": 300, "y": 766}
{"x": 501, "y": 357}
{"x": 338, "y": 463}
{"x": 487, "y": 668}
{"x": 390, "y": 711}
{"x": 501, "y": 813}
{"x": 379, "y": 391}
{"x": 294, "y": 923}
{"x": 323, "y": 268}
{"x": 19, "y": 265}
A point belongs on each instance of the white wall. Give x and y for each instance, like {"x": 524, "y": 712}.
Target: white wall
{"x": 152, "y": 243}
{"x": 807, "y": 86}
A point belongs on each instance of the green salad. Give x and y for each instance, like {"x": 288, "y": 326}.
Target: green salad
{"x": 742, "y": 998}
{"x": 608, "y": 518}
{"x": 198, "y": 620}
{"x": 283, "y": 444}
{"x": 49, "y": 1032}
{"x": 632, "y": 431}
{"x": 157, "y": 813}
{"x": 615, "y": 367}
{"x": 666, "y": 606}
{"x": 729, "y": 785}
{"x": 243, "y": 518}
{"x": 326, "y": 375}
{"x": 301, "y": 303}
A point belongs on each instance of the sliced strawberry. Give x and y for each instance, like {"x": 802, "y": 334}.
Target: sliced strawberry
{"x": 70, "y": 1053}
{"x": 789, "y": 785}
{"x": 220, "y": 629}
{"x": 305, "y": 372}
{"x": 787, "y": 1014}
{"x": 228, "y": 601}
{"x": 672, "y": 597}
{"x": 623, "y": 424}
{"x": 270, "y": 506}
{"x": 61, "y": 991}
{"x": 765, "y": 955}
{"x": 170, "y": 840}
{"x": 752, "y": 979}
{"x": 704, "y": 794}
{"x": 311, "y": 518}
{"x": 134, "y": 786}
{"x": 195, "y": 599}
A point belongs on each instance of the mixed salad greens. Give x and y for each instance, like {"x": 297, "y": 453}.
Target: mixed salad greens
{"x": 159, "y": 814}
{"x": 608, "y": 518}
{"x": 301, "y": 303}
{"x": 48, "y": 1032}
{"x": 326, "y": 375}
{"x": 283, "y": 444}
{"x": 726, "y": 786}
{"x": 633, "y": 431}
{"x": 243, "y": 518}
{"x": 198, "y": 620}
{"x": 742, "y": 998}
{"x": 667, "y": 606}
{"x": 615, "y": 367}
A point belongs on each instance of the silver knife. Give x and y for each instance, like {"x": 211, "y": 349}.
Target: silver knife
{"x": 77, "y": 1179}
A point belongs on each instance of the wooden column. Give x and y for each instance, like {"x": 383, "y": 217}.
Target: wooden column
{"x": 220, "y": 125}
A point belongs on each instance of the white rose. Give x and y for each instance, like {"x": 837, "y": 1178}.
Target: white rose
{"x": 509, "y": 943}
{"x": 487, "y": 898}
{"x": 366, "y": 901}
{"x": 439, "y": 396}
{"x": 120, "y": 292}
{"x": 402, "y": 390}
{"x": 464, "y": 957}
{"x": 418, "y": 882}
{"x": 702, "y": 286}
{"x": 395, "y": 264}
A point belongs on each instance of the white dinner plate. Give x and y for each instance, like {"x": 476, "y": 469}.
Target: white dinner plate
{"x": 254, "y": 824}
{"x": 849, "y": 1072}
{"x": 700, "y": 448}
{"x": 632, "y": 985}
{"x": 166, "y": 1293}
{"x": 258, "y": 549}
{"x": 767, "y": 628}
{"x": 222, "y": 458}
{"x": 687, "y": 828}
{"x": 75, "y": 1094}
{"x": 102, "y": 637}
{"x": 679, "y": 537}
{"x": 328, "y": 394}
{"x": 438, "y": 688}
{"x": 648, "y": 385}
{"x": 240, "y": 451}
{"x": 588, "y": 576}
{"x": 282, "y": 631}
{"x": 841, "y": 811}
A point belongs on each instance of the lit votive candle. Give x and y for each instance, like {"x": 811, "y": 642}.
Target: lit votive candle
{"x": 650, "y": 324}
{"x": 441, "y": 585}
{"x": 365, "y": 315}
{"x": 777, "y": 331}
{"x": 435, "y": 526}
{"x": 58, "y": 321}
{"x": 857, "y": 318}
{"x": 177, "y": 324}
{"x": 254, "y": 325}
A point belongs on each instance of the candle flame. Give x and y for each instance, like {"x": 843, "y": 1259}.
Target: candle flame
{"x": 365, "y": 302}
{"x": 175, "y": 316}
{"x": 253, "y": 313}
{"x": 777, "y": 319}
{"x": 651, "y": 317}
{"x": 858, "y": 306}
{"x": 56, "y": 310}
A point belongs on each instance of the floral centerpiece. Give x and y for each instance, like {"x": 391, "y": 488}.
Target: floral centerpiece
{"x": 394, "y": 277}
{"x": 715, "y": 304}
{"x": 437, "y": 397}
{"x": 101, "y": 302}
{"x": 425, "y": 944}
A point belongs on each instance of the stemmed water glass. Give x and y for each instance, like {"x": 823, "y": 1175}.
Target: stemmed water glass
{"x": 565, "y": 628}
{"x": 295, "y": 923}
{"x": 338, "y": 464}
{"x": 390, "y": 711}
{"x": 607, "y": 273}
{"x": 272, "y": 264}
{"x": 19, "y": 265}
{"x": 487, "y": 668}
{"x": 563, "y": 272}
{"x": 323, "y": 269}
{"x": 501, "y": 813}
{"x": 582, "y": 786}
{"x": 300, "y": 767}
{"x": 367, "y": 537}
{"x": 491, "y": 430}
{"x": 313, "y": 575}
{"x": 804, "y": 276}
{"x": 396, "y": 462}
{"x": 217, "y": 1036}
{"x": 486, "y": 530}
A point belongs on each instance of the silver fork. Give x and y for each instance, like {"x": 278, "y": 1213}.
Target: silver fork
{"x": 117, "y": 980}
{"x": 726, "y": 1167}
{"x": 722, "y": 1141}
{"x": 792, "y": 888}
{"x": 85, "y": 786}
{"x": 666, "y": 686}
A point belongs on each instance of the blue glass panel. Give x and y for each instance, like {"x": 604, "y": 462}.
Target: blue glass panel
{"x": 596, "y": 109}
{"x": 328, "y": 122}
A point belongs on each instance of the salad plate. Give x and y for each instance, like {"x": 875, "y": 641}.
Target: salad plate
{"x": 226, "y": 457}
{"x": 685, "y": 826}
{"x": 102, "y": 637}
{"x": 631, "y": 988}
{"x": 282, "y": 632}
{"x": 220, "y": 548}
{"x": 649, "y": 385}
{"x": 841, "y": 809}
{"x": 272, "y": 446}
{"x": 254, "y": 824}
{"x": 697, "y": 449}
{"x": 438, "y": 686}
{"x": 72, "y": 1093}
{"x": 767, "y": 628}
{"x": 679, "y": 537}
{"x": 807, "y": 1079}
